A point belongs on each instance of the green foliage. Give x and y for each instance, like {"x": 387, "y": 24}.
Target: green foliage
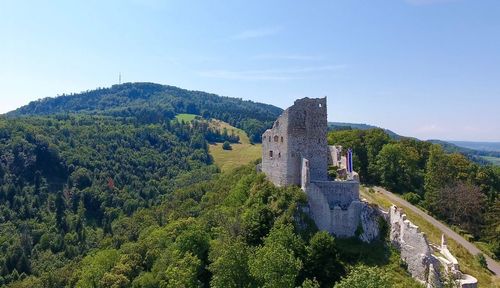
{"x": 226, "y": 145}
{"x": 365, "y": 277}
{"x": 322, "y": 262}
{"x": 229, "y": 264}
{"x": 396, "y": 166}
{"x": 450, "y": 186}
{"x": 67, "y": 182}
{"x": 308, "y": 283}
{"x": 183, "y": 273}
{"x": 413, "y": 198}
{"x": 154, "y": 103}
{"x": 481, "y": 260}
{"x": 94, "y": 266}
{"x": 273, "y": 265}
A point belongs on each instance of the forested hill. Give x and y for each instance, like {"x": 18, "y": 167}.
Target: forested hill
{"x": 153, "y": 103}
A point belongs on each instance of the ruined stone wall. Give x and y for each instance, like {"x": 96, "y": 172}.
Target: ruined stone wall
{"x": 335, "y": 207}
{"x": 295, "y": 152}
{"x": 307, "y": 131}
{"x": 276, "y": 154}
{"x": 334, "y": 156}
{"x": 412, "y": 244}
{"x": 338, "y": 193}
{"x": 423, "y": 264}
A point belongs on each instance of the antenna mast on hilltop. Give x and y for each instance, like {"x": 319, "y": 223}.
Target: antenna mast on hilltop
{"x": 120, "y": 78}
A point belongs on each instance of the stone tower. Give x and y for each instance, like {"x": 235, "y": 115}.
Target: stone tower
{"x": 299, "y": 133}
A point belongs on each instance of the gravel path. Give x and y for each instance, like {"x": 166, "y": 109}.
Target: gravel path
{"x": 493, "y": 265}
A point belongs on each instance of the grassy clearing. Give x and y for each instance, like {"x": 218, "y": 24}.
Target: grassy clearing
{"x": 467, "y": 262}
{"x": 185, "y": 117}
{"x": 214, "y": 123}
{"x": 242, "y": 153}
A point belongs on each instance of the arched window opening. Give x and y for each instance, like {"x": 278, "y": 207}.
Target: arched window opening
{"x": 271, "y": 153}
{"x": 320, "y": 105}
{"x": 281, "y": 139}
{"x": 279, "y": 155}
{"x": 276, "y": 138}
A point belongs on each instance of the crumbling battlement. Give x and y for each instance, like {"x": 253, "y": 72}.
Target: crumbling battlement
{"x": 419, "y": 255}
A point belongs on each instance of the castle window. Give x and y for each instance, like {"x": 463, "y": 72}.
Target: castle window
{"x": 319, "y": 140}
{"x": 271, "y": 153}
{"x": 269, "y": 138}
{"x": 264, "y": 137}
{"x": 276, "y": 138}
{"x": 279, "y": 155}
{"x": 320, "y": 105}
{"x": 281, "y": 139}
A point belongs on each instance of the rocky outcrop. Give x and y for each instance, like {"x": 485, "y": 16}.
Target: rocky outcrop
{"x": 370, "y": 223}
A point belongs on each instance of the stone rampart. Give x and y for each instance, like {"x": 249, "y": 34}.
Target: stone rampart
{"x": 419, "y": 255}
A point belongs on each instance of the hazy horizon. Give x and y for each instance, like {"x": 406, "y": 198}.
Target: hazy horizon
{"x": 421, "y": 68}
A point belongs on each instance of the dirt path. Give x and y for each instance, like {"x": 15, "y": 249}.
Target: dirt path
{"x": 492, "y": 264}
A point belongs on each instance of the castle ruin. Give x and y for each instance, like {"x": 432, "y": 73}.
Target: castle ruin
{"x": 295, "y": 152}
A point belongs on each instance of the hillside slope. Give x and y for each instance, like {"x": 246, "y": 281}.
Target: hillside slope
{"x": 152, "y": 103}
{"x": 241, "y": 153}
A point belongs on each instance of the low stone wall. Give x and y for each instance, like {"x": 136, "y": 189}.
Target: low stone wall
{"x": 418, "y": 254}
{"x": 412, "y": 244}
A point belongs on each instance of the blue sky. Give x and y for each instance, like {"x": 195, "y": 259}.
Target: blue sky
{"x": 423, "y": 68}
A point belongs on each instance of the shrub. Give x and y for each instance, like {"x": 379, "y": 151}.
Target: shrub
{"x": 365, "y": 277}
{"x": 413, "y": 198}
{"x": 226, "y": 146}
{"x": 481, "y": 260}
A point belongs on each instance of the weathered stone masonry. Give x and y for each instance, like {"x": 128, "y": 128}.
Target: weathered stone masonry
{"x": 300, "y": 132}
{"x": 295, "y": 152}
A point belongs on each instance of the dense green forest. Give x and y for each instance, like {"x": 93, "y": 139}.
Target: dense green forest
{"x": 99, "y": 201}
{"x": 448, "y": 185}
{"x": 64, "y": 180}
{"x": 234, "y": 230}
{"x": 153, "y": 103}
{"x": 107, "y": 188}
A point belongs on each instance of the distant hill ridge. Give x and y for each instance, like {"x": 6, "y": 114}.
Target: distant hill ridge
{"x": 343, "y": 125}
{"x": 482, "y": 146}
{"x": 476, "y": 151}
{"x": 154, "y": 102}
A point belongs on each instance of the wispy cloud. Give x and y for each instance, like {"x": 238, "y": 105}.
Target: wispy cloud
{"x": 257, "y": 33}
{"x": 270, "y": 74}
{"x": 284, "y": 56}
{"x": 427, "y": 2}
